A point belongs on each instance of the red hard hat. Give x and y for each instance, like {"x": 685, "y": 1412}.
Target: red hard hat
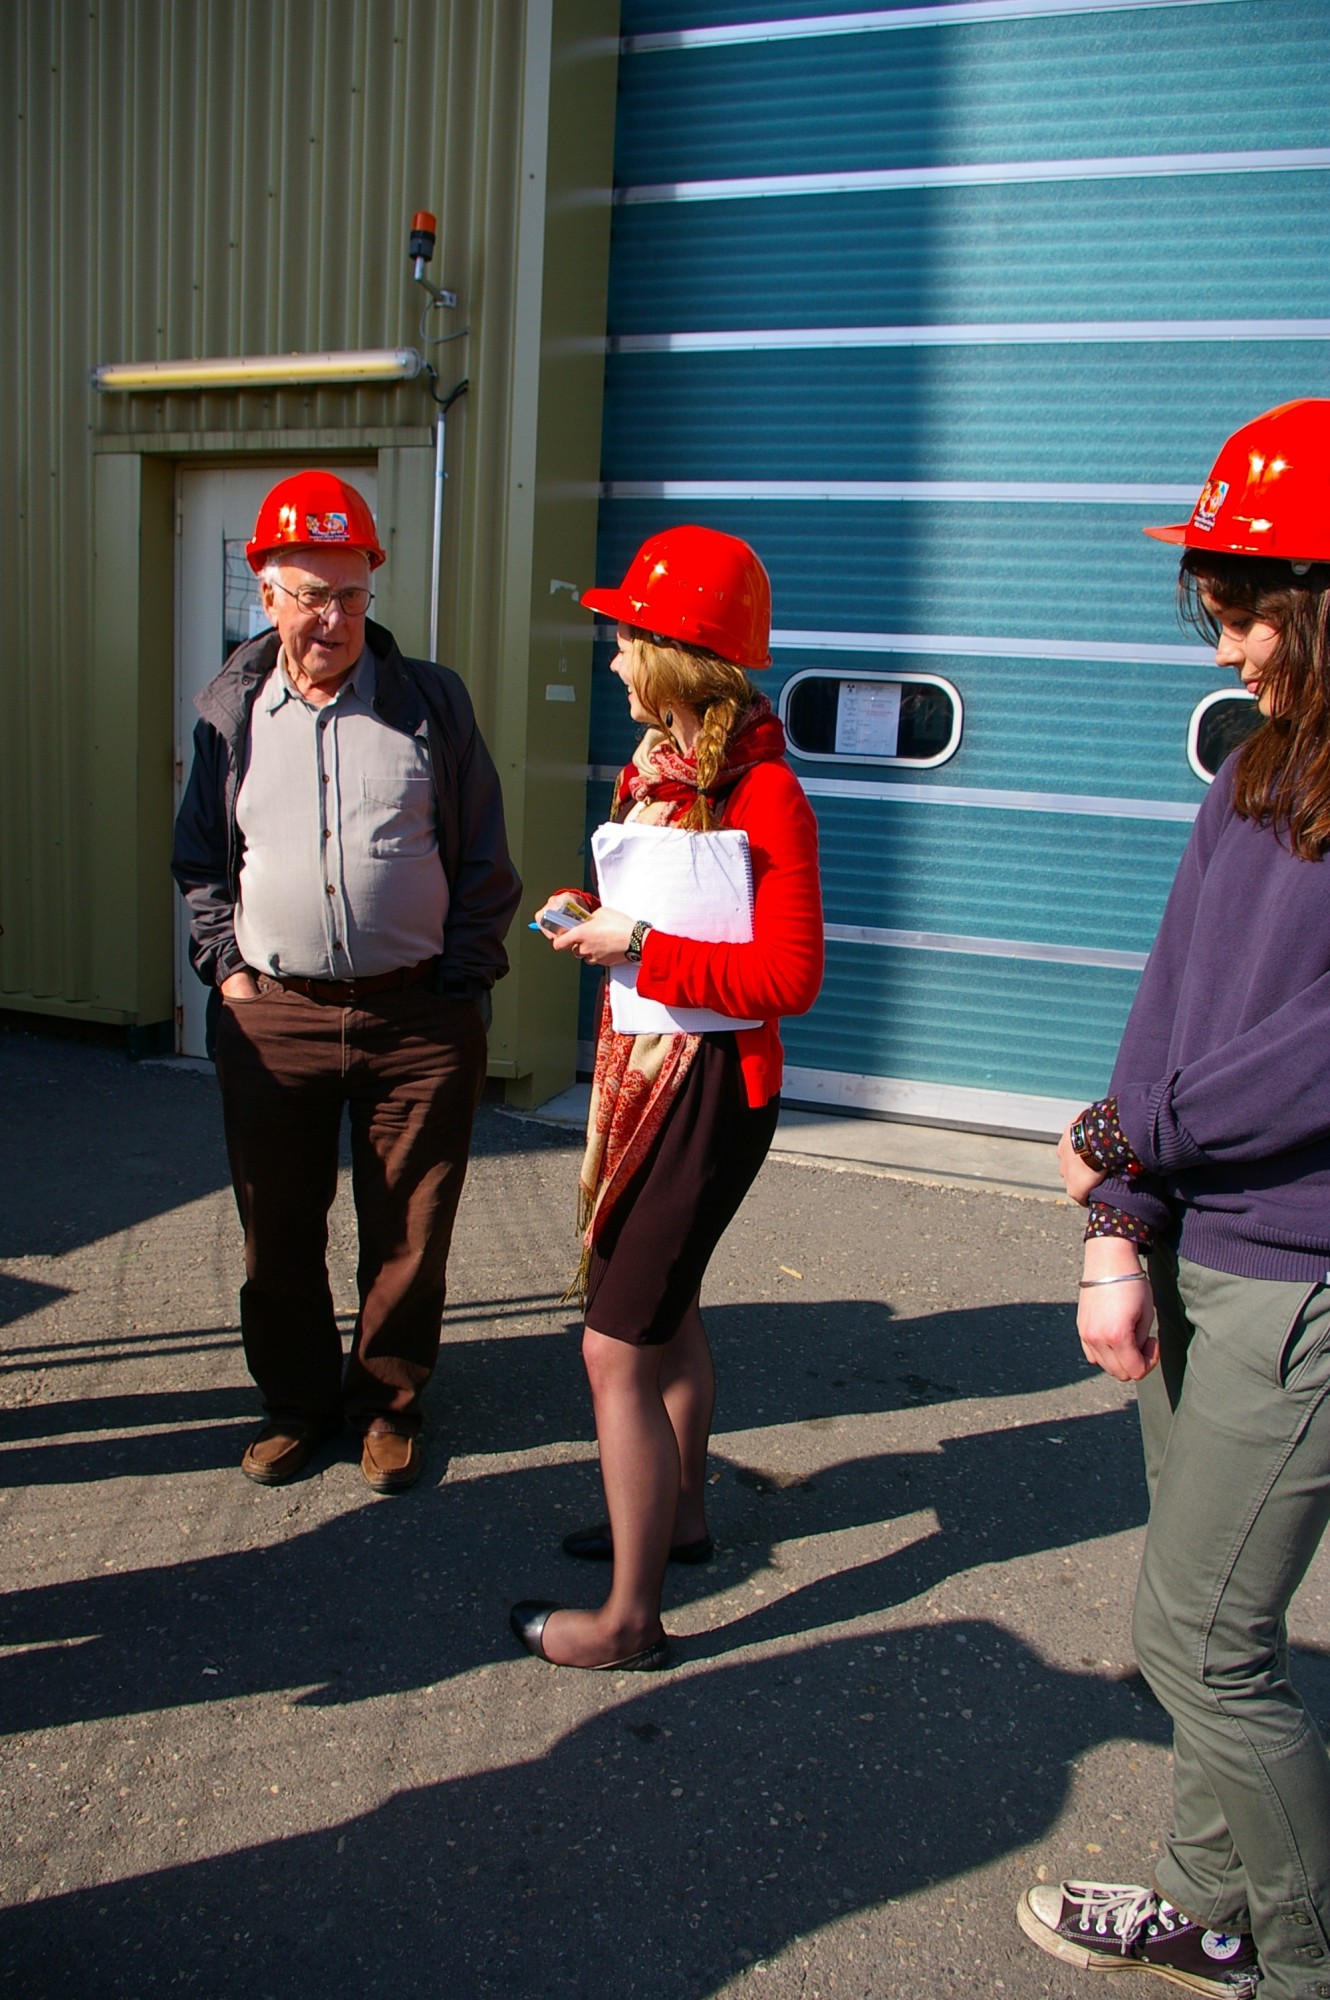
{"x": 699, "y": 586}
{"x": 313, "y": 510}
{"x": 1269, "y": 491}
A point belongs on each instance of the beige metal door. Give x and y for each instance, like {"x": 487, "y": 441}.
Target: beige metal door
{"x": 217, "y": 607}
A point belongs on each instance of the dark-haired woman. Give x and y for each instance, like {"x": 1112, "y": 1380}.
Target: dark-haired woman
{"x": 680, "y": 1122}
{"x": 1211, "y": 1155}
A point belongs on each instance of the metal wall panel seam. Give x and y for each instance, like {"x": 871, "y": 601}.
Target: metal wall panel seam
{"x": 987, "y": 947}
{"x": 16, "y": 36}
{"x": 877, "y": 21}
{"x": 991, "y": 648}
{"x": 38, "y": 193}
{"x": 48, "y": 717}
{"x": 972, "y": 795}
{"x": 998, "y": 333}
{"x": 879, "y": 180}
{"x": 1076, "y": 803}
{"x": 1037, "y": 492}
{"x": 62, "y": 635}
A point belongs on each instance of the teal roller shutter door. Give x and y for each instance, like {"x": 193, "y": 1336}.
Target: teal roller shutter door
{"x": 939, "y": 315}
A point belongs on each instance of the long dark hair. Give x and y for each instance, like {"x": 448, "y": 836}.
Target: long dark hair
{"x": 1283, "y": 774}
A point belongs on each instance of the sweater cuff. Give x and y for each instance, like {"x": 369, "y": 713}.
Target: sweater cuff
{"x": 1161, "y": 1142}
{"x": 1107, "y": 1221}
{"x": 229, "y": 959}
{"x": 651, "y": 969}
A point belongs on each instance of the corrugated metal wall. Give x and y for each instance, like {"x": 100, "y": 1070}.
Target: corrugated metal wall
{"x": 231, "y": 177}
{"x": 938, "y": 305}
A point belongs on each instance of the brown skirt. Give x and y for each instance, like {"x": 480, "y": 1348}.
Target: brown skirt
{"x": 653, "y": 1252}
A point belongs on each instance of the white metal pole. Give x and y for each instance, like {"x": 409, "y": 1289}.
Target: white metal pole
{"x": 436, "y": 573}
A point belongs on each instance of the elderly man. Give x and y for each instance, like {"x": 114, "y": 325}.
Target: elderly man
{"x": 341, "y": 849}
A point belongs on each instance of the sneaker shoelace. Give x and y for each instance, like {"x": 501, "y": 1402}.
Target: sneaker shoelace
{"x": 1122, "y": 1909}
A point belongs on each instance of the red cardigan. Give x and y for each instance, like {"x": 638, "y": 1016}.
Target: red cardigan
{"x": 780, "y": 972}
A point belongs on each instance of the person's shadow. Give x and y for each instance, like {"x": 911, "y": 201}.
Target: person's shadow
{"x": 778, "y": 1362}
{"x": 388, "y": 1597}
{"x": 439, "y": 1568}
{"x": 996, "y": 1496}
{"x": 704, "y": 1823}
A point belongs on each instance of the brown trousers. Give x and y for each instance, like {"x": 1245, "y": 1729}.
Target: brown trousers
{"x": 408, "y": 1066}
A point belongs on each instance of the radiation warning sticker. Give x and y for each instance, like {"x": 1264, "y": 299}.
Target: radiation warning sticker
{"x": 1213, "y": 495}
{"x": 327, "y": 528}
{"x": 1221, "y": 1944}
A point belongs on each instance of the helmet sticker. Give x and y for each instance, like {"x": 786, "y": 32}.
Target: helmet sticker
{"x": 1213, "y": 495}
{"x": 327, "y": 528}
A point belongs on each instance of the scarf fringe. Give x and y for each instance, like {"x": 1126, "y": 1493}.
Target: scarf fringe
{"x": 577, "y": 1289}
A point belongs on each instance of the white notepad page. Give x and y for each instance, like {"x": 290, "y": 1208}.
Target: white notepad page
{"x": 693, "y": 885}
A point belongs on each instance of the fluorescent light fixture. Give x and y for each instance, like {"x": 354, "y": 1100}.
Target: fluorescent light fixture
{"x": 254, "y": 371}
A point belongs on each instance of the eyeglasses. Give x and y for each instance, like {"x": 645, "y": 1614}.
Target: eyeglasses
{"x": 355, "y": 602}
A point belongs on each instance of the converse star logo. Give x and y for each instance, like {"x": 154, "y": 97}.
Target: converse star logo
{"x": 1218, "y": 1944}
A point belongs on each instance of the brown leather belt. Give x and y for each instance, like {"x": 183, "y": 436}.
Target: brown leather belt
{"x": 348, "y": 992}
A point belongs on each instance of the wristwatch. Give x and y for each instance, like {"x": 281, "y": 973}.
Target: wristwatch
{"x": 632, "y": 951}
{"x": 1080, "y": 1145}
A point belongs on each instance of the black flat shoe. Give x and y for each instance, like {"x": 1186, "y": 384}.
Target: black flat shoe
{"x": 528, "y": 1622}
{"x": 595, "y": 1545}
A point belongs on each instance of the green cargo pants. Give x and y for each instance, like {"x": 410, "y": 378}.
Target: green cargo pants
{"x": 1236, "y": 1423}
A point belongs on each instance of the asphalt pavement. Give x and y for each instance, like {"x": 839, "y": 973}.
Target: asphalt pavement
{"x": 278, "y": 1743}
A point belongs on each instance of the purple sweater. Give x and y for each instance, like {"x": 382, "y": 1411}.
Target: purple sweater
{"x": 1223, "y": 1076}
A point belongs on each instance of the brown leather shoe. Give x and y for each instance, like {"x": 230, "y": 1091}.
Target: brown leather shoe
{"x": 282, "y": 1450}
{"x": 389, "y": 1462}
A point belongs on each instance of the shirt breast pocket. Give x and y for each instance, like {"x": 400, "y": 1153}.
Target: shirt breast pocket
{"x": 399, "y": 817}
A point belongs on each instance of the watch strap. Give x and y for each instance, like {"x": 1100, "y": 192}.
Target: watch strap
{"x": 1080, "y": 1144}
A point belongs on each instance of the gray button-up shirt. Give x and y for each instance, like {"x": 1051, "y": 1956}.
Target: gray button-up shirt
{"x": 341, "y": 877}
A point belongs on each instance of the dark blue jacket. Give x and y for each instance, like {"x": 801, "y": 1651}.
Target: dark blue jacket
{"x": 483, "y": 885}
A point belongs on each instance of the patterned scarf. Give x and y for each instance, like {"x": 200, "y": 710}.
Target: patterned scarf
{"x": 638, "y": 1077}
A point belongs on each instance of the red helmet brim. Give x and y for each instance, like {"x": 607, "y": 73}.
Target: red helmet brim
{"x": 611, "y": 604}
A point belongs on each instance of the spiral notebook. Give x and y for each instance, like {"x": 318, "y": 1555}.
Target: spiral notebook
{"x": 693, "y": 885}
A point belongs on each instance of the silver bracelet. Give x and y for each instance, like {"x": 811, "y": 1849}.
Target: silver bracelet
{"x": 1123, "y": 1278}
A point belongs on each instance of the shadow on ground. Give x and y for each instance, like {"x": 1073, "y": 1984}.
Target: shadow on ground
{"x": 145, "y": 1138}
{"x": 835, "y": 1778}
{"x": 778, "y": 1362}
{"x": 437, "y": 1569}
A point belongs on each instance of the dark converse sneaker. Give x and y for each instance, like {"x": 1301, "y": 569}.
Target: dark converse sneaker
{"x": 1118, "y": 1927}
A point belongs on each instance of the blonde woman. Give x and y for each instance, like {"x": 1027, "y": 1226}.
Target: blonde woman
{"x": 680, "y": 1123}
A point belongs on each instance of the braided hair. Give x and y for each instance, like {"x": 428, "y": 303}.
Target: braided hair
{"x": 721, "y": 693}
